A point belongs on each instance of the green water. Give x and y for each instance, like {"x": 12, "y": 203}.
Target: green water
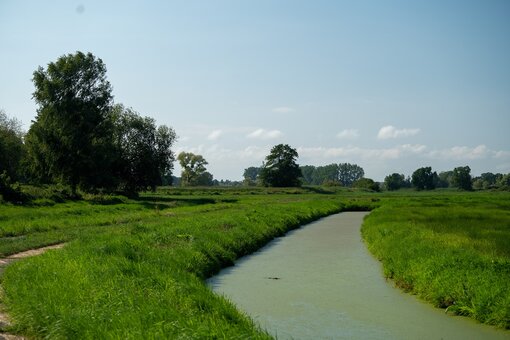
{"x": 320, "y": 282}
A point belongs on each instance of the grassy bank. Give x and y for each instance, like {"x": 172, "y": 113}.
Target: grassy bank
{"x": 136, "y": 268}
{"x": 451, "y": 249}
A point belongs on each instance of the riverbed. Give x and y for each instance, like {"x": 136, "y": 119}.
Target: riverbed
{"x": 320, "y": 282}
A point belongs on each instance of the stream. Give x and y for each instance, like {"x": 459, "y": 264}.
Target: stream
{"x": 320, "y": 282}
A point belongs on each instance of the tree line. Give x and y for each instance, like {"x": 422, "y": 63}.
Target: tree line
{"x": 80, "y": 138}
{"x": 460, "y": 177}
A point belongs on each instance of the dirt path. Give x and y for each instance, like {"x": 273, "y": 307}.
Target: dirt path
{"x": 4, "y": 262}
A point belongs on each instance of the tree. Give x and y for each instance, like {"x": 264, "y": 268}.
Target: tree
{"x": 280, "y": 168}
{"x": 194, "y": 171}
{"x": 367, "y": 184}
{"x": 250, "y": 175}
{"x": 307, "y": 172}
{"x": 349, "y": 173}
{"x": 12, "y": 149}
{"x": 143, "y": 151}
{"x": 462, "y": 178}
{"x": 70, "y": 139}
{"x": 444, "y": 179}
{"x": 327, "y": 174}
{"x": 394, "y": 181}
{"x": 424, "y": 178}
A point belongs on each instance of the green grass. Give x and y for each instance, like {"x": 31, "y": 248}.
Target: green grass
{"x": 136, "y": 269}
{"x": 451, "y": 249}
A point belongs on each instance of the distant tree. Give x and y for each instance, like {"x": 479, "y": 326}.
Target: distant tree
{"x": 143, "y": 151}
{"x": 250, "y": 175}
{"x": 366, "y": 183}
{"x": 444, "y": 179}
{"x": 70, "y": 139}
{"x": 307, "y": 174}
{"x": 487, "y": 180}
{"x": 194, "y": 171}
{"x": 12, "y": 149}
{"x": 423, "y": 178}
{"x": 326, "y": 174}
{"x": 504, "y": 182}
{"x": 394, "y": 181}
{"x": 349, "y": 173}
{"x": 462, "y": 178}
{"x": 280, "y": 168}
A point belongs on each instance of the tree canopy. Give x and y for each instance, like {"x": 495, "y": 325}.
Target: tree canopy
{"x": 12, "y": 149}
{"x": 461, "y": 178}
{"x": 194, "y": 172}
{"x": 70, "y": 139}
{"x": 424, "y": 178}
{"x": 144, "y": 154}
{"x": 280, "y": 168}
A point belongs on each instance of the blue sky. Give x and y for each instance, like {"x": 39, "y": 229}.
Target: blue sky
{"x": 388, "y": 85}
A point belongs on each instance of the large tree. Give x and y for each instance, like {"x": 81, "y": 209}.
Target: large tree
{"x": 280, "y": 168}
{"x": 194, "y": 171}
{"x": 143, "y": 150}
{"x": 461, "y": 178}
{"x": 349, "y": 173}
{"x": 70, "y": 139}
{"x": 424, "y": 178}
{"x": 394, "y": 181}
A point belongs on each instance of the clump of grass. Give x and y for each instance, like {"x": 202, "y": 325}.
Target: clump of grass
{"x": 450, "y": 249}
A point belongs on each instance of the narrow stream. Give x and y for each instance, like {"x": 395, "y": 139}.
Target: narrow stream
{"x": 320, "y": 282}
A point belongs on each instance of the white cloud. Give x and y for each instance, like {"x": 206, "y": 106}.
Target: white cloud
{"x": 462, "y": 153}
{"x": 215, "y": 135}
{"x": 348, "y": 134}
{"x": 355, "y": 152}
{"x": 264, "y": 134}
{"x": 390, "y": 131}
{"x": 283, "y": 109}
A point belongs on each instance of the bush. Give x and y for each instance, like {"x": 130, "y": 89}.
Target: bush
{"x": 11, "y": 192}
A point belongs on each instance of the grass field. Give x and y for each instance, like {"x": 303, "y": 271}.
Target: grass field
{"x": 136, "y": 268}
{"x": 451, "y": 249}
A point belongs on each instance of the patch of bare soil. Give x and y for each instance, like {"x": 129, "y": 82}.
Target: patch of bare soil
{"x": 4, "y": 318}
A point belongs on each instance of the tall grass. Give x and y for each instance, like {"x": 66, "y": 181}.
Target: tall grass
{"x": 144, "y": 277}
{"x": 450, "y": 249}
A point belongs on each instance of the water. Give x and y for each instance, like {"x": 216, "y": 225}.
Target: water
{"x": 320, "y": 282}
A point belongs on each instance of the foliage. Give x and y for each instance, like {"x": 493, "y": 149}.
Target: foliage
{"x": 194, "y": 171}
{"x": 10, "y": 192}
{"x": 332, "y": 174}
{"x": 69, "y": 141}
{"x": 280, "y": 168}
{"x": 366, "y": 184}
{"x": 461, "y": 178}
{"x": 250, "y": 175}
{"x": 144, "y": 153}
{"x": 424, "y": 179}
{"x": 349, "y": 173}
{"x": 452, "y": 250}
{"x": 444, "y": 179}
{"x": 394, "y": 181}
{"x": 12, "y": 149}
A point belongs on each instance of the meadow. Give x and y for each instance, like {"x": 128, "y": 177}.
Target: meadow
{"x": 451, "y": 249}
{"x": 135, "y": 268}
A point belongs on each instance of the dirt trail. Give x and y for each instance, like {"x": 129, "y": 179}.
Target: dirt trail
{"x": 4, "y": 262}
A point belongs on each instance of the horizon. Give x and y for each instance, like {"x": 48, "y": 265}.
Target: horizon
{"x": 391, "y": 87}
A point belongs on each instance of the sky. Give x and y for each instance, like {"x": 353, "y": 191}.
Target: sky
{"x": 389, "y": 85}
